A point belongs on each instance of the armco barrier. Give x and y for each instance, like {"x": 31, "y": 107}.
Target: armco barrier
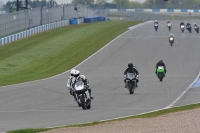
{"x": 32, "y": 31}
{"x": 94, "y": 19}
{"x": 183, "y": 10}
{"x": 154, "y": 10}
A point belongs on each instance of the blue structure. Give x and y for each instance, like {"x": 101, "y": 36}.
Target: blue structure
{"x": 94, "y": 19}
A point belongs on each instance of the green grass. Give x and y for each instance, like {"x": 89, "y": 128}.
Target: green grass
{"x": 53, "y": 52}
{"x": 148, "y": 115}
{"x": 29, "y": 131}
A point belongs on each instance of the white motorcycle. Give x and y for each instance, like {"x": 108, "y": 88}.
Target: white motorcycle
{"x": 171, "y": 40}
{"x": 131, "y": 82}
{"x": 156, "y": 26}
{"x": 82, "y": 95}
{"x": 169, "y": 25}
{"x": 182, "y": 28}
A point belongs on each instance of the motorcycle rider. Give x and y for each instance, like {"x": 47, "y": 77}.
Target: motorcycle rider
{"x": 188, "y": 25}
{"x": 161, "y": 63}
{"x": 78, "y": 77}
{"x": 195, "y": 25}
{"x": 169, "y": 24}
{"x": 155, "y": 22}
{"x": 131, "y": 69}
{"x": 69, "y": 81}
{"x": 182, "y": 24}
{"x": 171, "y": 35}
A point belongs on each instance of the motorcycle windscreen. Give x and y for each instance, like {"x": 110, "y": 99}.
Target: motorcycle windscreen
{"x": 160, "y": 69}
{"x": 169, "y": 24}
{"x": 79, "y": 85}
{"x": 130, "y": 75}
{"x": 188, "y": 26}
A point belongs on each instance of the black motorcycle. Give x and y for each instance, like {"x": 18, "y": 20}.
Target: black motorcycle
{"x": 131, "y": 82}
{"x": 189, "y": 28}
{"x": 182, "y": 28}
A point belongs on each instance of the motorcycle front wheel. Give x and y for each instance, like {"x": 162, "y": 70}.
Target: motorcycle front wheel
{"x": 130, "y": 87}
{"x": 83, "y": 104}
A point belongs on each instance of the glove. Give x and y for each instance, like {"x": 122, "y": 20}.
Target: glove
{"x": 124, "y": 76}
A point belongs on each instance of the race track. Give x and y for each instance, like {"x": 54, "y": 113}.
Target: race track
{"x": 47, "y": 103}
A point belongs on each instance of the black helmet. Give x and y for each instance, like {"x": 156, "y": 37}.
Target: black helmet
{"x": 130, "y": 64}
{"x": 161, "y": 61}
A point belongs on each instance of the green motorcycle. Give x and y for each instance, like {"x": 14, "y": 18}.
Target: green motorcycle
{"x": 160, "y": 72}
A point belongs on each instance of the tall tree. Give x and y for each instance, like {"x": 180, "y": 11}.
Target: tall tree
{"x": 101, "y": 1}
{"x": 83, "y": 2}
{"x": 121, "y": 3}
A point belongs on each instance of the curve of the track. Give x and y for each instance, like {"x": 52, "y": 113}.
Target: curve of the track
{"x": 47, "y": 103}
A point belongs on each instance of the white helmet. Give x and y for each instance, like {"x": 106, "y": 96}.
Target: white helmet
{"x": 72, "y": 72}
{"x": 156, "y": 21}
{"x": 76, "y": 73}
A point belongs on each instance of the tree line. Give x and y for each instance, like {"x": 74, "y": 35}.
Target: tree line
{"x": 119, "y": 4}
{"x": 181, "y": 4}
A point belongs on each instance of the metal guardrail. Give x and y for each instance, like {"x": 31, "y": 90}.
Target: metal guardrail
{"x": 23, "y": 20}
{"x": 35, "y": 30}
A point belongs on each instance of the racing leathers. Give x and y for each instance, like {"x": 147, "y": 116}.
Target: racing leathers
{"x": 182, "y": 24}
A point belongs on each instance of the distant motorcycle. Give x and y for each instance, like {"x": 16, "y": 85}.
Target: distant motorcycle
{"x": 160, "y": 73}
{"x": 169, "y": 25}
{"x": 156, "y": 26}
{"x": 189, "y": 28}
{"x": 82, "y": 95}
{"x": 196, "y": 28}
{"x": 182, "y": 28}
{"x": 171, "y": 40}
{"x": 131, "y": 82}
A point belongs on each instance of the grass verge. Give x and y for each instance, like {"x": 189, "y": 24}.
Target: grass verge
{"x": 53, "y": 52}
{"x": 148, "y": 115}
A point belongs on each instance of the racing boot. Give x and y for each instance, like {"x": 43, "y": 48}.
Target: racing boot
{"x": 90, "y": 94}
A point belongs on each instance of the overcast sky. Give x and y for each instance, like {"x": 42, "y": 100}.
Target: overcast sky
{"x": 69, "y": 1}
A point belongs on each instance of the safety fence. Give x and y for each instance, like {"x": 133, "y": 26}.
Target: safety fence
{"x": 23, "y": 20}
{"x": 42, "y": 28}
{"x": 32, "y": 31}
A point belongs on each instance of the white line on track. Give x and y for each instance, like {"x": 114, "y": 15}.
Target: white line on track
{"x": 184, "y": 93}
{"x": 60, "y": 110}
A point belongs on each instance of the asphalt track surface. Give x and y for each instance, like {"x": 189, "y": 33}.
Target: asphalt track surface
{"x": 47, "y": 103}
